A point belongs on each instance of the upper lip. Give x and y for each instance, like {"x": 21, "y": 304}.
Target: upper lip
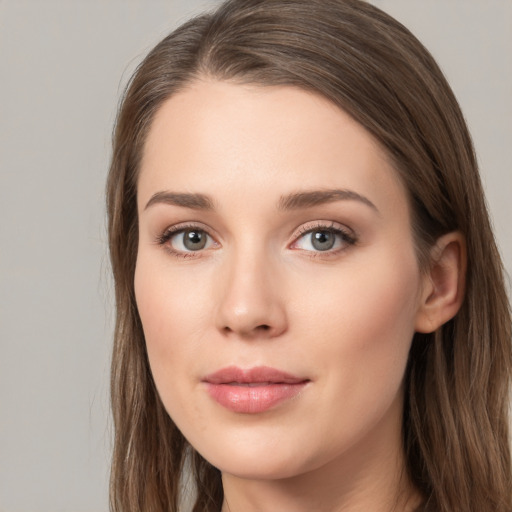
{"x": 258, "y": 374}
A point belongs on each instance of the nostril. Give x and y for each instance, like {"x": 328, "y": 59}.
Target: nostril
{"x": 259, "y": 328}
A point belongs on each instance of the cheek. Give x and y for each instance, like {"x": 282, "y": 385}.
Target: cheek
{"x": 365, "y": 321}
{"x": 171, "y": 321}
{"x": 165, "y": 315}
{"x": 375, "y": 294}
{"x": 358, "y": 332}
{"x": 168, "y": 305}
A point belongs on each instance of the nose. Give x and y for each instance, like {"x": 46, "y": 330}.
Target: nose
{"x": 252, "y": 301}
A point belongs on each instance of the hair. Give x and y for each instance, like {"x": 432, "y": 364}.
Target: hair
{"x": 455, "y": 417}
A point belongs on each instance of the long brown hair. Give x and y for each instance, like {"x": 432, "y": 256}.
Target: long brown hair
{"x": 455, "y": 426}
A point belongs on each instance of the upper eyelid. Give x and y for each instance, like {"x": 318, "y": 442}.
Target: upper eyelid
{"x": 309, "y": 227}
{"x": 183, "y": 226}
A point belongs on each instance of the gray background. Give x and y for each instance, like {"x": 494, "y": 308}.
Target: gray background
{"x": 63, "y": 66}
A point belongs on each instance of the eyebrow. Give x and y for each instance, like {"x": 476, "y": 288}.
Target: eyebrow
{"x": 312, "y": 198}
{"x": 294, "y": 201}
{"x": 193, "y": 201}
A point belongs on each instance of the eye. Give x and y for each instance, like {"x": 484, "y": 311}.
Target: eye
{"x": 323, "y": 239}
{"x": 190, "y": 240}
{"x": 186, "y": 240}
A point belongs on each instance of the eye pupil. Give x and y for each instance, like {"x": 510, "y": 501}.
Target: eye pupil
{"x": 194, "y": 240}
{"x": 323, "y": 240}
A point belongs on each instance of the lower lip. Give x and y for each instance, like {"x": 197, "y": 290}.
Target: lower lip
{"x": 253, "y": 399}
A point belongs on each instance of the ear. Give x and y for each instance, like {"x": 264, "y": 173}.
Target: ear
{"x": 443, "y": 283}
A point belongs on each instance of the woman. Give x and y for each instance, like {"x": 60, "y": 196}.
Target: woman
{"x": 311, "y": 312}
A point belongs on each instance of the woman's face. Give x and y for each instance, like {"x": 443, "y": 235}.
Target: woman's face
{"x": 276, "y": 280}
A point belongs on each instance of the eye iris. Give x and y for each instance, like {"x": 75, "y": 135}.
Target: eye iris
{"x": 323, "y": 240}
{"x": 194, "y": 240}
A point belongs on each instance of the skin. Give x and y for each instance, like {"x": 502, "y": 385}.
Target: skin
{"x": 259, "y": 293}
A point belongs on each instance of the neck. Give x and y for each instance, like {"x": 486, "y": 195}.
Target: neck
{"x": 368, "y": 476}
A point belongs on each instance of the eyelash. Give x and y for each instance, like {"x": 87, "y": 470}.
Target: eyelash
{"x": 348, "y": 238}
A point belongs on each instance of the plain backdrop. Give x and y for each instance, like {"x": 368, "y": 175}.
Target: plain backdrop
{"x": 63, "y": 67}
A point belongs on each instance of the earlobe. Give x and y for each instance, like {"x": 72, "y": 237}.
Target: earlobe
{"x": 444, "y": 283}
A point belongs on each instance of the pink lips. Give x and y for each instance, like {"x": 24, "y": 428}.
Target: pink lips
{"x": 254, "y": 390}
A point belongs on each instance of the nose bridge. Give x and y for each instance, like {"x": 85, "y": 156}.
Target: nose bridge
{"x": 251, "y": 302}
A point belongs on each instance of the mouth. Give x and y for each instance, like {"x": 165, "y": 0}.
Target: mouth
{"x": 254, "y": 390}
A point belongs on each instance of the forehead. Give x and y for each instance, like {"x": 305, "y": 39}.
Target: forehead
{"x": 218, "y": 135}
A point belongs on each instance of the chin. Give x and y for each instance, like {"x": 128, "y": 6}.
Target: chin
{"x": 258, "y": 460}
{"x": 257, "y": 468}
